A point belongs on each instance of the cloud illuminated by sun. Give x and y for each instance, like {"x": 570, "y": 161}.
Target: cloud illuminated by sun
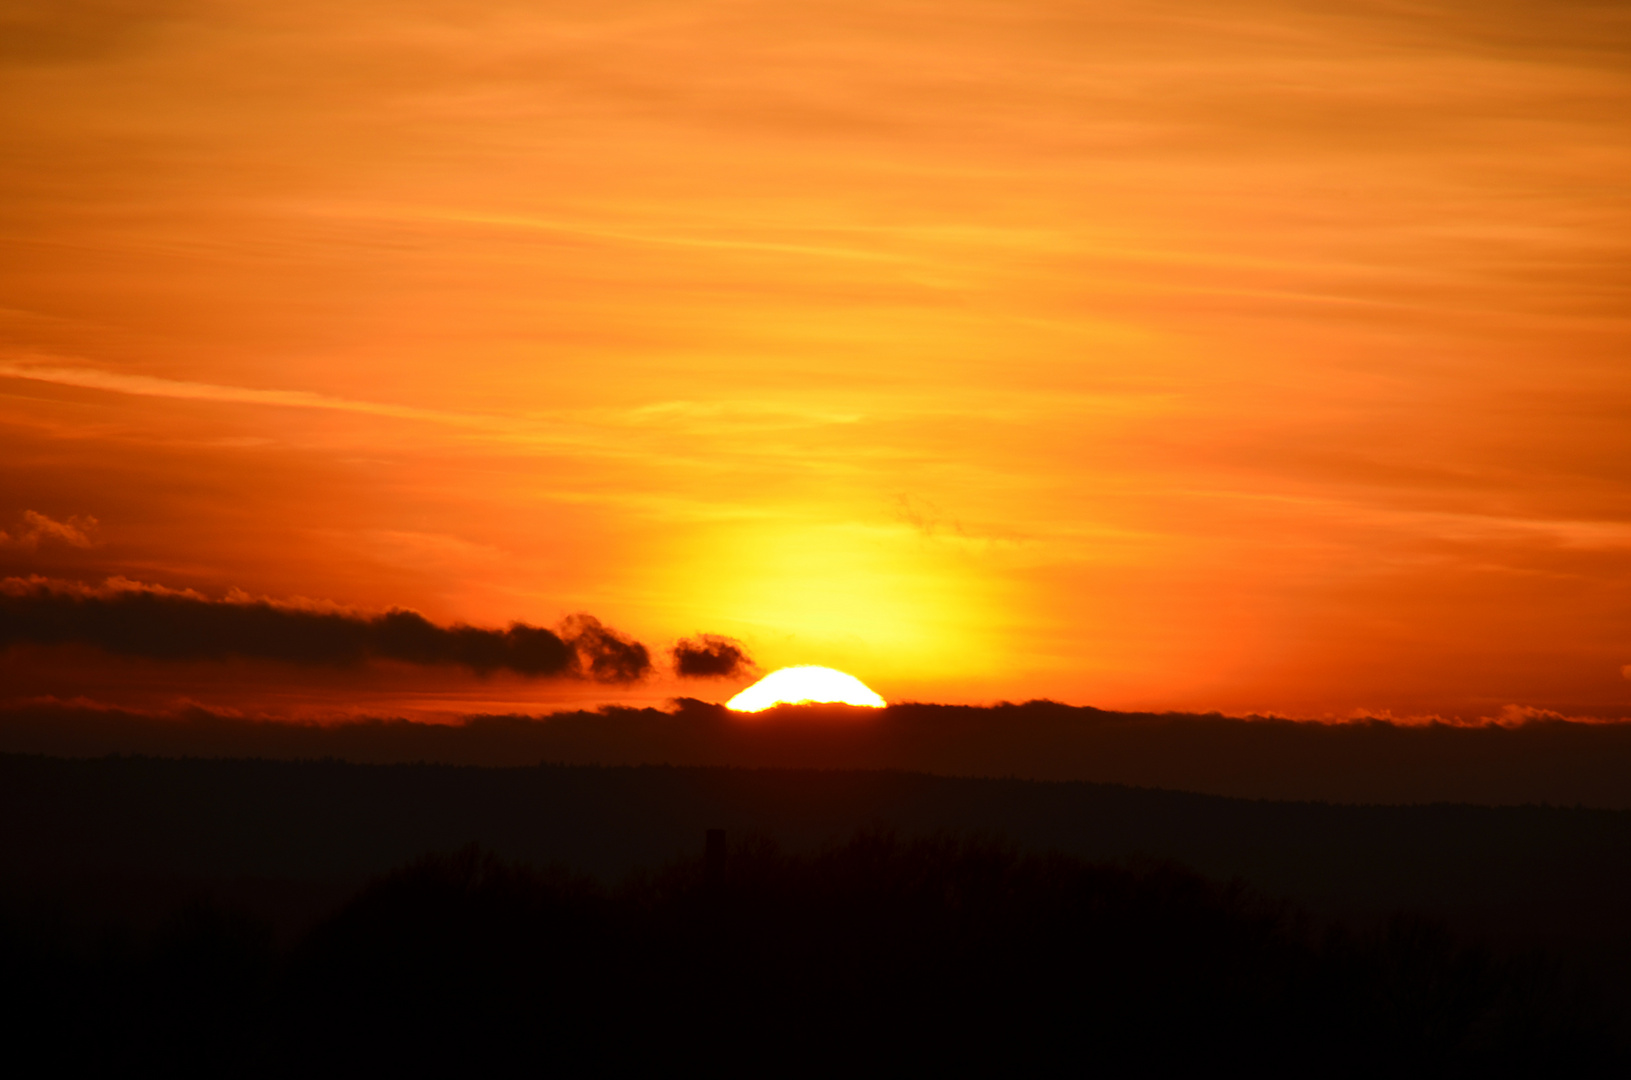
{"x": 797, "y": 685}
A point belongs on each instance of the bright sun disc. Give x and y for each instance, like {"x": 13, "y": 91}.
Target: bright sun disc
{"x": 808, "y": 684}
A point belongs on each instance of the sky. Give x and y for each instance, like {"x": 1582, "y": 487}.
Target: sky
{"x": 1243, "y": 355}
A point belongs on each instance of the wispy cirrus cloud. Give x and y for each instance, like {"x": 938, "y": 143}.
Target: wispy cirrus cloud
{"x": 92, "y": 378}
{"x": 77, "y": 531}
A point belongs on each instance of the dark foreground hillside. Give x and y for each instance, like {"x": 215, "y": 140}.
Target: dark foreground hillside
{"x": 877, "y": 954}
{"x": 129, "y": 837}
{"x": 163, "y": 903}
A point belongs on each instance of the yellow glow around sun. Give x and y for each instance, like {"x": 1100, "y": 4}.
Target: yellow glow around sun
{"x": 839, "y": 584}
{"x": 795, "y": 685}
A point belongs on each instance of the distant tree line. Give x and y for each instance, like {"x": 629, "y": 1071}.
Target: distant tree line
{"x": 880, "y": 953}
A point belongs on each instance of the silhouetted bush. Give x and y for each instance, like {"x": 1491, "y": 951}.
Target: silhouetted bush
{"x": 883, "y": 952}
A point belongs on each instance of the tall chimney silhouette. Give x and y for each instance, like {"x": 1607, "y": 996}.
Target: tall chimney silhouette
{"x": 713, "y": 867}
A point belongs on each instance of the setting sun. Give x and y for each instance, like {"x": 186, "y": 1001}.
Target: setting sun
{"x": 805, "y": 684}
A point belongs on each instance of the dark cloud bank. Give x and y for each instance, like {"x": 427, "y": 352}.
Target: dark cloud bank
{"x": 161, "y": 624}
{"x": 1540, "y": 761}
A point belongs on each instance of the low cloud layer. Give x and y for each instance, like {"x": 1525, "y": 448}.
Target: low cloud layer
{"x": 710, "y": 656}
{"x": 1533, "y": 761}
{"x": 161, "y": 624}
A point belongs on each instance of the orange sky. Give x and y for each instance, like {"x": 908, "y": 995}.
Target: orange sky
{"x": 1236, "y": 355}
